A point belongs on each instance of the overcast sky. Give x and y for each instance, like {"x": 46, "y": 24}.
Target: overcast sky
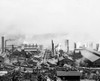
{"x": 79, "y": 18}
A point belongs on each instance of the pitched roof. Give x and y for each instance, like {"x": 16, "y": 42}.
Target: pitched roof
{"x": 90, "y": 55}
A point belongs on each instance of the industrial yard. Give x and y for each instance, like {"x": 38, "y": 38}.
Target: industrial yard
{"x": 49, "y": 40}
{"x": 31, "y": 61}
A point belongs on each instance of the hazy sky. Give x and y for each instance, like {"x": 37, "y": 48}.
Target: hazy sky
{"x": 51, "y": 16}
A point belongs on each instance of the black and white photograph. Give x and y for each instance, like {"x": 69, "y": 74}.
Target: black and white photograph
{"x": 49, "y": 40}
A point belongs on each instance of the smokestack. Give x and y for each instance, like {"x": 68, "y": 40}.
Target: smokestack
{"x": 74, "y": 46}
{"x": 2, "y": 39}
{"x": 97, "y": 47}
{"x": 12, "y": 48}
{"x": 67, "y": 44}
{"x": 91, "y": 46}
{"x": 52, "y": 48}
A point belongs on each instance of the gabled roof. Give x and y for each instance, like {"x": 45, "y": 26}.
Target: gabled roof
{"x": 90, "y": 55}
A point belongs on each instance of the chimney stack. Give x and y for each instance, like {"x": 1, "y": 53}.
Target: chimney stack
{"x": 97, "y": 47}
{"x": 12, "y": 48}
{"x": 52, "y": 48}
{"x": 2, "y": 39}
{"x": 67, "y": 44}
{"x": 75, "y": 46}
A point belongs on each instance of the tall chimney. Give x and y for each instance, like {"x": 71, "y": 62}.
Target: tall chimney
{"x": 52, "y": 48}
{"x": 67, "y": 44}
{"x": 75, "y": 46}
{"x": 97, "y": 47}
{"x": 2, "y": 39}
{"x": 12, "y": 48}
